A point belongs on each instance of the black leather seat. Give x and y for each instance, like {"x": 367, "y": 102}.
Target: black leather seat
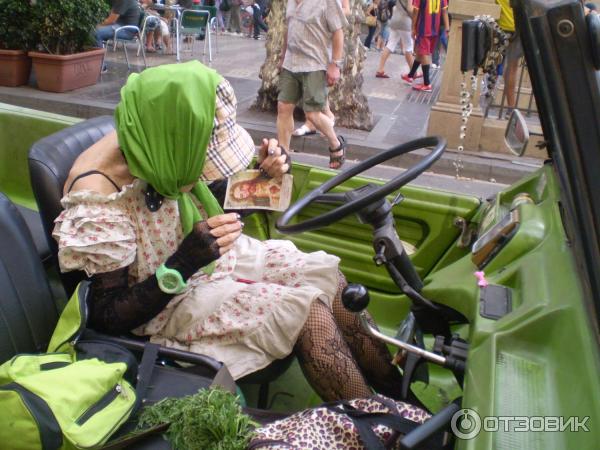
{"x": 50, "y": 160}
{"x": 27, "y": 311}
{"x": 34, "y": 223}
{"x": 28, "y": 316}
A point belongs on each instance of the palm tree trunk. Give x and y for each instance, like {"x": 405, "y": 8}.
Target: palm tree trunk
{"x": 346, "y": 98}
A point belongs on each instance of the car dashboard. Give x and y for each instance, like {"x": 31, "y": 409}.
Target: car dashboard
{"x": 532, "y": 350}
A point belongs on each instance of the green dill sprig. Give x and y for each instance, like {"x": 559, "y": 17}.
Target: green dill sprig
{"x": 211, "y": 419}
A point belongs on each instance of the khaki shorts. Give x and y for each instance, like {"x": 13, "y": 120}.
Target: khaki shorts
{"x": 400, "y": 35}
{"x": 310, "y": 87}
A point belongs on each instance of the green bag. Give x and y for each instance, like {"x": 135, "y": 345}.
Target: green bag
{"x": 76, "y": 395}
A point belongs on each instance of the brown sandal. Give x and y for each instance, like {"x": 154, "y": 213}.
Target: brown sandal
{"x": 338, "y": 159}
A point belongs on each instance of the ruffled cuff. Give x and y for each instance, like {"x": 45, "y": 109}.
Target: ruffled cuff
{"x": 96, "y": 238}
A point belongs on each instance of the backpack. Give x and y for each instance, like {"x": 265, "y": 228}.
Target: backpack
{"x": 76, "y": 395}
{"x": 225, "y": 6}
{"x": 383, "y": 12}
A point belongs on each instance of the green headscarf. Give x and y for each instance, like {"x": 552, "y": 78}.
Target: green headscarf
{"x": 164, "y": 123}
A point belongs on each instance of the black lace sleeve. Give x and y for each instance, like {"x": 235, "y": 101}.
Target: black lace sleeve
{"x": 116, "y": 307}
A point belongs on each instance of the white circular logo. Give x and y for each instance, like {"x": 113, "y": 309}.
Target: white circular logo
{"x": 465, "y": 424}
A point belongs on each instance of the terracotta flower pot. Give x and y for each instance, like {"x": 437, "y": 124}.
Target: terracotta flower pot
{"x": 15, "y": 67}
{"x": 60, "y": 73}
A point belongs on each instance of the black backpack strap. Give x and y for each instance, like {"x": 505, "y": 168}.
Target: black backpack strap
{"x": 145, "y": 372}
{"x": 366, "y": 421}
{"x": 404, "y": 8}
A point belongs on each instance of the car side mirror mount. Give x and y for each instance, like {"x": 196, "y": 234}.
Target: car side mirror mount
{"x": 516, "y": 135}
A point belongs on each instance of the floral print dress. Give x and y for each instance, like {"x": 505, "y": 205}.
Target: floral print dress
{"x": 247, "y": 313}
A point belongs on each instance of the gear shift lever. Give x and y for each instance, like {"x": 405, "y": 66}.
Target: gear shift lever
{"x": 355, "y": 297}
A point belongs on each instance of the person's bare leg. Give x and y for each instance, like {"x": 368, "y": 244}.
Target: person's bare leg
{"x": 167, "y": 42}
{"x": 150, "y": 41}
{"x": 384, "y": 57}
{"x": 157, "y": 38}
{"x": 510, "y": 82}
{"x": 285, "y": 123}
{"x": 325, "y": 125}
{"x": 327, "y": 111}
{"x": 410, "y": 59}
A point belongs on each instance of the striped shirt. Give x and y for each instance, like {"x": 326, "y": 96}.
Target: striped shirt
{"x": 311, "y": 24}
{"x": 430, "y": 13}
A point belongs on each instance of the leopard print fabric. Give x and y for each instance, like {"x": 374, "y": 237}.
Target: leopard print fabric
{"x": 322, "y": 429}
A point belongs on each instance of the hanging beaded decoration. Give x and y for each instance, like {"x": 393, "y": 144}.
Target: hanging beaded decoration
{"x": 498, "y": 44}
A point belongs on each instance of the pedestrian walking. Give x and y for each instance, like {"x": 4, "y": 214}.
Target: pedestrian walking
{"x": 427, "y": 15}
{"x": 313, "y": 26}
{"x": 400, "y": 32}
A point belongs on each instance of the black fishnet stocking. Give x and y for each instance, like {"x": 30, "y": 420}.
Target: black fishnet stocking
{"x": 371, "y": 354}
{"x": 333, "y": 348}
{"x": 325, "y": 358}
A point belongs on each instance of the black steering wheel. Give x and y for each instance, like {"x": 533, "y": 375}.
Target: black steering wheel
{"x": 360, "y": 199}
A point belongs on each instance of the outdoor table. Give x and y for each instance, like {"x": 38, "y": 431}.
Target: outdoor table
{"x": 178, "y": 9}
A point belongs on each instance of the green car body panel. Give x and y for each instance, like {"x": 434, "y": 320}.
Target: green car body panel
{"x": 540, "y": 359}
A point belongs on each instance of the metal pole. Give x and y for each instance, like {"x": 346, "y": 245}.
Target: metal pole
{"x": 429, "y": 356}
{"x": 177, "y": 24}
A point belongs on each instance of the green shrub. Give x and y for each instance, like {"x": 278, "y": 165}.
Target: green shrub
{"x": 16, "y": 25}
{"x": 67, "y": 26}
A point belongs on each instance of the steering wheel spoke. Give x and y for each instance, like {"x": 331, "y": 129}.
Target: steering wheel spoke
{"x": 331, "y": 198}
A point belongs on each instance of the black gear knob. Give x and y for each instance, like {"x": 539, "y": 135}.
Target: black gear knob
{"x": 355, "y": 297}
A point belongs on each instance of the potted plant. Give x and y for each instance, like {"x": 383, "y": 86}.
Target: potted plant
{"x": 16, "y": 37}
{"x": 68, "y": 58}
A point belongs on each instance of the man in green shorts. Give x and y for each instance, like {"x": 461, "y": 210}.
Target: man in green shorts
{"x": 313, "y": 26}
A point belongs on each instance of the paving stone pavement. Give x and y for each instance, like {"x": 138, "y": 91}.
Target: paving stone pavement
{"x": 399, "y": 113}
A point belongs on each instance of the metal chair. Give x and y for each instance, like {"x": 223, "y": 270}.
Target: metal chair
{"x": 212, "y": 21}
{"x": 137, "y": 35}
{"x": 193, "y": 22}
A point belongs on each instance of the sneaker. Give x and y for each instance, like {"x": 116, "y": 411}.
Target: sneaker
{"x": 407, "y": 79}
{"x": 422, "y": 87}
{"x": 435, "y": 66}
{"x": 104, "y": 69}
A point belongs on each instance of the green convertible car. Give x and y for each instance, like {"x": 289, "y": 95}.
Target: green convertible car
{"x": 496, "y": 319}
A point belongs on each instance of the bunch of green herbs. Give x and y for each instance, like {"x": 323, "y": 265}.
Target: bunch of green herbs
{"x": 211, "y": 419}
